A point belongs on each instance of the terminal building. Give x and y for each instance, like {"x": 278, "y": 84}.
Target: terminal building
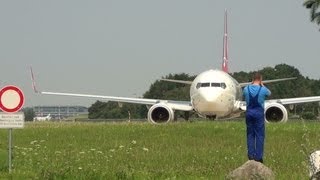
{"x": 59, "y": 112}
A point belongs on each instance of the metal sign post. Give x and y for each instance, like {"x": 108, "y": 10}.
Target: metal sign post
{"x": 10, "y": 151}
{"x": 10, "y": 121}
{"x": 11, "y": 101}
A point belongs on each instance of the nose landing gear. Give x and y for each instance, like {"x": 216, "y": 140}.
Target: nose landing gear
{"x": 211, "y": 117}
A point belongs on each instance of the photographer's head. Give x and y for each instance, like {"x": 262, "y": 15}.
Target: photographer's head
{"x": 257, "y": 78}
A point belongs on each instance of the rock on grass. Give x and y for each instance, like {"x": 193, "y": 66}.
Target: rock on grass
{"x": 252, "y": 170}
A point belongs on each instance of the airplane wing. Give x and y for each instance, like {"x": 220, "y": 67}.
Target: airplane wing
{"x": 299, "y": 100}
{"x": 175, "y": 105}
{"x": 286, "y": 101}
{"x": 177, "y": 81}
{"x": 268, "y": 81}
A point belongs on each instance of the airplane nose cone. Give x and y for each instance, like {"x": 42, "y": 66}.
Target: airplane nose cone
{"x": 210, "y": 96}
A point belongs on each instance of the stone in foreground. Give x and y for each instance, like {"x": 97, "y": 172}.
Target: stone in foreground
{"x": 315, "y": 165}
{"x": 252, "y": 170}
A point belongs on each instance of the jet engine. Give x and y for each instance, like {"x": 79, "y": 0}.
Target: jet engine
{"x": 275, "y": 112}
{"x": 160, "y": 113}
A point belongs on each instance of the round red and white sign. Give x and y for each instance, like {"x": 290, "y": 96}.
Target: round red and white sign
{"x": 11, "y": 99}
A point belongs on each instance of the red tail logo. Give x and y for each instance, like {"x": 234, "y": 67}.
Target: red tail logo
{"x": 225, "y": 59}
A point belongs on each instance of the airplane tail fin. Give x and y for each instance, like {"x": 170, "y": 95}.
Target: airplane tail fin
{"x": 225, "y": 59}
{"x": 33, "y": 81}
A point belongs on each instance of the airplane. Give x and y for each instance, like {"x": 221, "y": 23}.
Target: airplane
{"x": 46, "y": 118}
{"x": 213, "y": 94}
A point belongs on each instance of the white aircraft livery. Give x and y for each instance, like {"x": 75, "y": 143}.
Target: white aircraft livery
{"x": 213, "y": 94}
{"x": 46, "y": 118}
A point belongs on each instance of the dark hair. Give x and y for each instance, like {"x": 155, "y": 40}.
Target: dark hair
{"x": 256, "y": 76}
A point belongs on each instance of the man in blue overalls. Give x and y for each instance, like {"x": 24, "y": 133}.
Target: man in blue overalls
{"x": 255, "y": 95}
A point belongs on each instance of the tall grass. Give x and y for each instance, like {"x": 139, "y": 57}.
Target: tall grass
{"x": 208, "y": 150}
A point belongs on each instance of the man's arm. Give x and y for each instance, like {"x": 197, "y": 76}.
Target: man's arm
{"x": 268, "y": 92}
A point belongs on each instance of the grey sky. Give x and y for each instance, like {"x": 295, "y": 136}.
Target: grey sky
{"x": 120, "y": 47}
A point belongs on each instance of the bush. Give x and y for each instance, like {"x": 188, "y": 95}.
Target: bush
{"x": 308, "y": 115}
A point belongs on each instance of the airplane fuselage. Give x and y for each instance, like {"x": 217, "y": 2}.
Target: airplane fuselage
{"x": 214, "y": 93}
{"x": 46, "y": 118}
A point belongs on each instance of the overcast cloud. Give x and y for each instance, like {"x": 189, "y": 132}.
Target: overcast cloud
{"x": 120, "y": 47}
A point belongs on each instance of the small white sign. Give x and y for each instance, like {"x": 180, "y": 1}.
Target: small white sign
{"x": 15, "y": 120}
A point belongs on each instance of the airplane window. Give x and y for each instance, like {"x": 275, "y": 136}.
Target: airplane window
{"x": 223, "y": 85}
{"x": 215, "y": 84}
{"x": 205, "y": 84}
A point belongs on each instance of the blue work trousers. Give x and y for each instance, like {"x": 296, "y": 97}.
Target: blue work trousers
{"x": 255, "y": 133}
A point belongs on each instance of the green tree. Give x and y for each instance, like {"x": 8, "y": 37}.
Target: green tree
{"x": 314, "y": 6}
{"x": 160, "y": 89}
{"x": 29, "y": 114}
{"x": 114, "y": 110}
{"x": 242, "y": 76}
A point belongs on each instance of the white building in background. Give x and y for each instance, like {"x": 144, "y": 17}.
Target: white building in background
{"x": 59, "y": 112}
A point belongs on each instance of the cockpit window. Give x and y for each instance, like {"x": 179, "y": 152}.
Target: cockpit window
{"x": 207, "y": 84}
{"x": 215, "y": 84}
{"x": 223, "y": 85}
{"x": 198, "y": 85}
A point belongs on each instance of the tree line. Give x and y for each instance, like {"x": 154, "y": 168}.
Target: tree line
{"x": 300, "y": 87}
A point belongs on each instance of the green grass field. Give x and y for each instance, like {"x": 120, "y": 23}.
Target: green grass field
{"x": 196, "y": 150}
